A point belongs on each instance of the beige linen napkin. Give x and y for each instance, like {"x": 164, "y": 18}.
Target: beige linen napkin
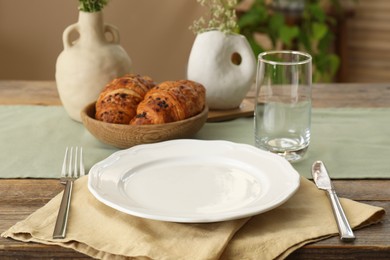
{"x": 305, "y": 218}
{"x": 101, "y": 232}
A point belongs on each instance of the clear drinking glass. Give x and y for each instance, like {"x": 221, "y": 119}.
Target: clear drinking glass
{"x": 283, "y": 105}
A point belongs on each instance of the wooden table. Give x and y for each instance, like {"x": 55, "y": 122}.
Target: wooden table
{"x": 21, "y": 197}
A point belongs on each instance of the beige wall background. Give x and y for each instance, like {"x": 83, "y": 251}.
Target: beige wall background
{"x": 154, "y": 33}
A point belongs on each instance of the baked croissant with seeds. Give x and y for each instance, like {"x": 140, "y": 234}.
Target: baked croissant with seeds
{"x": 170, "y": 101}
{"x": 118, "y": 101}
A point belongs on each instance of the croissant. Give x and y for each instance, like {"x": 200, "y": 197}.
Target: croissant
{"x": 170, "y": 101}
{"x": 118, "y": 101}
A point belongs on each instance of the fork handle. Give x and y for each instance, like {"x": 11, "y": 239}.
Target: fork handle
{"x": 63, "y": 213}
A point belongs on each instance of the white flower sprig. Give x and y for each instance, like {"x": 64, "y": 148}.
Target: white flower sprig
{"x": 222, "y": 17}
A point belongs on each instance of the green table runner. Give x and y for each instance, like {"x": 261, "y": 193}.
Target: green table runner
{"x": 354, "y": 143}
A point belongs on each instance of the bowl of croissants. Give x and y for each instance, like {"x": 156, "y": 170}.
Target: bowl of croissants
{"x": 133, "y": 110}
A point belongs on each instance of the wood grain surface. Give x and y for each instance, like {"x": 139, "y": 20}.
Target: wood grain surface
{"x": 21, "y": 197}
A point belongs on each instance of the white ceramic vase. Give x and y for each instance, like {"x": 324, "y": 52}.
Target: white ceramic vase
{"x": 87, "y": 64}
{"x": 225, "y": 64}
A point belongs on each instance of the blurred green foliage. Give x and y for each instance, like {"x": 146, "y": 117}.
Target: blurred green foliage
{"x": 311, "y": 32}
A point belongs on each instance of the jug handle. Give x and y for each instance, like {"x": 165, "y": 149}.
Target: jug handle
{"x": 66, "y": 35}
{"x": 108, "y": 28}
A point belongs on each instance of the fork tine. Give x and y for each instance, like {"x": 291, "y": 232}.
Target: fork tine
{"x": 73, "y": 164}
{"x": 75, "y": 172}
{"x": 82, "y": 170}
{"x": 63, "y": 170}
{"x": 70, "y": 163}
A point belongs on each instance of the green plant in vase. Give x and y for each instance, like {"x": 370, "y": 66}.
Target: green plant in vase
{"x": 92, "y": 6}
{"x": 221, "y": 59}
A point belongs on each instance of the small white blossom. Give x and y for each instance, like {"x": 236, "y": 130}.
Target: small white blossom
{"x": 222, "y": 17}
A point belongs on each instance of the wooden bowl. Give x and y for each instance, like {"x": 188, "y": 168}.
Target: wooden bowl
{"x": 125, "y": 136}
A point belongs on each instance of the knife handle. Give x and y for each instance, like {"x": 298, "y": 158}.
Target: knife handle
{"x": 346, "y": 233}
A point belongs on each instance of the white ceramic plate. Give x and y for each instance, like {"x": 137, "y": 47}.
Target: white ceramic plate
{"x": 193, "y": 181}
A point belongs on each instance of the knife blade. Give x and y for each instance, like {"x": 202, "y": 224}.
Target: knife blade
{"x": 323, "y": 182}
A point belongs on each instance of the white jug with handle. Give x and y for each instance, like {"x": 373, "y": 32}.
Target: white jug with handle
{"x": 225, "y": 64}
{"x": 87, "y": 64}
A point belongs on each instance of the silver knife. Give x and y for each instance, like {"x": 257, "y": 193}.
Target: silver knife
{"x": 323, "y": 182}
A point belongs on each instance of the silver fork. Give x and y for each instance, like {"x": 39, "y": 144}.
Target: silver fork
{"x": 72, "y": 168}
